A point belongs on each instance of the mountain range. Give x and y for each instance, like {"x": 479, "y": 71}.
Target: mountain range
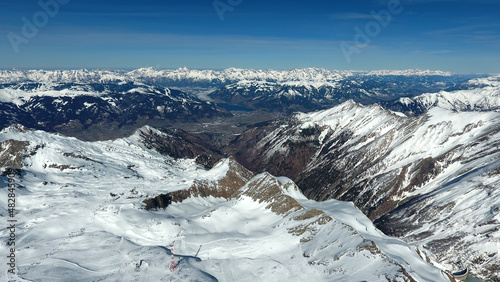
{"x": 109, "y": 104}
{"x": 102, "y": 111}
{"x": 184, "y": 76}
{"x": 83, "y": 212}
{"x": 317, "y": 169}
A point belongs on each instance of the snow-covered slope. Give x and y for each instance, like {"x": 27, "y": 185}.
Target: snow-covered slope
{"x": 80, "y": 216}
{"x": 477, "y": 99}
{"x": 493, "y": 81}
{"x": 430, "y": 179}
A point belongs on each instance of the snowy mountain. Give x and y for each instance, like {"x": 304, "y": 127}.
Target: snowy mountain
{"x": 321, "y": 93}
{"x": 493, "y": 81}
{"x": 210, "y": 79}
{"x": 226, "y": 76}
{"x": 99, "y": 111}
{"x": 101, "y": 102}
{"x": 430, "y": 180}
{"x": 178, "y": 143}
{"x": 106, "y": 104}
{"x": 286, "y": 97}
{"x": 414, "y": 153}
{"x": 81, "y": 215}
{"x": 477, "y": 99}
{"x": 181, "y": 76}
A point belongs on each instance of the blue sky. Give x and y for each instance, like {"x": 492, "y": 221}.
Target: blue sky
{"x": 451, "y": 35}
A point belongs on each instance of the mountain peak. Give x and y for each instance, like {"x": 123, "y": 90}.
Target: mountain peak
{"x": 265, "y": 188}
{"x": 481, "y": 99}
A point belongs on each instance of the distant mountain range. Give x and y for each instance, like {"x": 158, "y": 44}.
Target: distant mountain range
{"x": 184, "y": 76}
{"x": 101, "y": 101}
{"x": 99, "y": 111}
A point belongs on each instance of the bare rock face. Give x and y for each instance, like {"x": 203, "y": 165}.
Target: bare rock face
{"x": 11, "y": 153}
{"x": 255, "y": 149}
{"x": 161, "y": 201}
{"x": 318, "y": 230}
{"x": 177, "y": 143}
{"x": 267, "y": 189}
{"x": 408, "y": 174}
{"x": 235, "y": 177}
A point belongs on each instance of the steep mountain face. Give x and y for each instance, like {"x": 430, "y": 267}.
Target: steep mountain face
{"x": 102, "y": 111}
{"x": 477, "y": 99}
{"x": 319, "y": 231}
{"x": 293, "y": 146}
{"x": 81, "y": 214}
{"x": 407, "y": 173}
{"x": 11, "y": 153}
{"x": 225, "y": 187}
{"x": 177, "y": 143}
